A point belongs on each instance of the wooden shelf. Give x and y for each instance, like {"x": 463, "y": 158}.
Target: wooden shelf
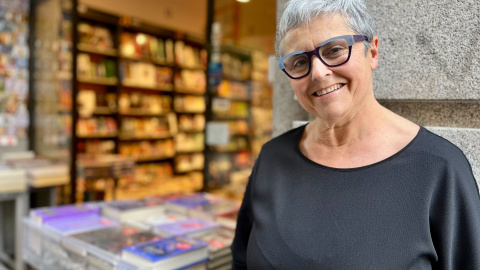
{"x": 97, "y": 136}
{"x": 168, "y": 88}
{"x": 144, "y": 138}
{"x": 96, "y": 50}
{"x": 142, "y": 113}
{"x": 99, "y": 81}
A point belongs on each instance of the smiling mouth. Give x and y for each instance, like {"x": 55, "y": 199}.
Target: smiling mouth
{"x": 328, "y": 90}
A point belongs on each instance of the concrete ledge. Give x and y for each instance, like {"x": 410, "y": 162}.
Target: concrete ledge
{"x": 438, "y": 113}
{"x": 467, "y": 139}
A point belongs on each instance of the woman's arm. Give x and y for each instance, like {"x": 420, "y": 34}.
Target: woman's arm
{"x": 455, "y": 220}
{"x": 242, "y": 232}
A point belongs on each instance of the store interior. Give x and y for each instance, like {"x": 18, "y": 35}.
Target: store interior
{"x": 108, "y": 100}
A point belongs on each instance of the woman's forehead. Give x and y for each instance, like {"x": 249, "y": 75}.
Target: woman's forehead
{"x": 310, "y": 35}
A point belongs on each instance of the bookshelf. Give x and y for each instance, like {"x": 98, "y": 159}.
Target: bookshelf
{"x": 231, "y": 108}
{"x": 140, "y": 93}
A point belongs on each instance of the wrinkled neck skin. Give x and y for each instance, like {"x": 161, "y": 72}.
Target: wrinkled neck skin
{"x": 368, "y": 117}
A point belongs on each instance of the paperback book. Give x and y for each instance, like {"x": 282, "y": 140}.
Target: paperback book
{"x": 167, "y": 253}
{"x": 183, "y": 204}
{"x": 78, "y": 224}
{"x": 228, "y": 220}
{"x": 50, "y": 214}
{"x": 219, "y": 242}
{"x": 212, "y": 210}
{"x": 112, "y": 240}
{"x": 124, "y": 210}
{"x": 185, "y": 227}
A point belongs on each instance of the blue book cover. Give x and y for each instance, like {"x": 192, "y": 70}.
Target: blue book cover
{"x": 68, "y": 226}
{"x": 188, "y": 226}
{"x": 195, "y": 199}
{"x": 171, "y": 247}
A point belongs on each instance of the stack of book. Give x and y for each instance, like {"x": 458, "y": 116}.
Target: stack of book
{"x": 132, "y": 210}
{"x": 219, "y": 242}
{"x": 168, "y": 253}
{"x": 184, "y": 204}
{"x": 46, "y": 215}
{"x": 134, "y": 234}
{"x": 12, "y": 180}
{"x": 185, "y": 227}
{"x": 42, "y": 172}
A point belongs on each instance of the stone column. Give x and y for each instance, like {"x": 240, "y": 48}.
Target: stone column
{"x": 429, "y": 69}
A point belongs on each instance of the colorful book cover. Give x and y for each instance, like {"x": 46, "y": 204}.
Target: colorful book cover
{"x": 182, "y": 204}
{"x": 165, "y": 219}
{"x": 114, "y": 239}
{"x": 71, "y": 225}
{"x": 49, "y": 214}
{"x": 217, "y": 240}
{"x": 188, "y": 226}
{"x": 211, "y": 210}
{"x": 170, "y": 252}
{"x": 132, "y": 209}
{"x": 228, "y": 220}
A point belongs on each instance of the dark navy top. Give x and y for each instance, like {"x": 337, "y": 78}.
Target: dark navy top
{"x": 418, "y": 209}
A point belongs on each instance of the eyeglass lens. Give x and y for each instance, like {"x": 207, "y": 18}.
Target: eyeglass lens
{"x": 333, "y": 53}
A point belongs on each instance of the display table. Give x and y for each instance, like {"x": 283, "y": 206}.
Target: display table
{"x": 21, "y": 209}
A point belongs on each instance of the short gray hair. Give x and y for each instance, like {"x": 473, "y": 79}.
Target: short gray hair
{"x": 300, "y": 12}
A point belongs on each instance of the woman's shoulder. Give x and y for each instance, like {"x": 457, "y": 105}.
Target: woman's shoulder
{"x": 435, "y": 145}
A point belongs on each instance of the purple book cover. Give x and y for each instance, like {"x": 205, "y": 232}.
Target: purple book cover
{"x": 80, "y": 224}
{"x": 187, "y": 226}
{"x": 49, "y": 214}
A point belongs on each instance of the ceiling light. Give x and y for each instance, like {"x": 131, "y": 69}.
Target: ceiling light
{"x": 243, "y": 1}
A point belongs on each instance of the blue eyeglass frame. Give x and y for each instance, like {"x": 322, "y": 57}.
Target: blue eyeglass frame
{"x": 351, "y": 39}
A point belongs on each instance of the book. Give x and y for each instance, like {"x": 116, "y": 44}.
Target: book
{"x": 49, "y": 181}
{"x": 12, "y": 180}
{"x": 78, "y": 224}
{"x": 212, "y": 210}
{"x": 183, "y": 204}
{"x": 219, "y": 241}
{"x": 168, "y": 253}
{"x": 18, "y": 155}
{"x": 50, "y": 214}
{"x": 220, "y": 262}
{"x": 184, "y": 227}
{"x": 130, "y": 210}
{"x": 112, "y": 240}
{"x": 228, "y": 220}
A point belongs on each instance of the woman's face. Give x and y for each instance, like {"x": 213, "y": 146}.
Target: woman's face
{"x": 353, "y": 79}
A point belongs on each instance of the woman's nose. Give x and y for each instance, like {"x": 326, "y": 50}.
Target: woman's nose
{"x": 318, "y": 69}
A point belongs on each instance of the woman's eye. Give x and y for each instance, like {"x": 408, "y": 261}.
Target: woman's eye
{"x": 300, "y": 63}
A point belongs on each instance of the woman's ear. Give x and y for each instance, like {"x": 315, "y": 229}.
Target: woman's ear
{"x": 373, "y": 51}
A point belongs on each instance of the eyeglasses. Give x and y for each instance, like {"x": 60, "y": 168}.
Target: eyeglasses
{"x": 332, "y": 52}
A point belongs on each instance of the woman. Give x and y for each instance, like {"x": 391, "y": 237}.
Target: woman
{"x": 359, "y": 187}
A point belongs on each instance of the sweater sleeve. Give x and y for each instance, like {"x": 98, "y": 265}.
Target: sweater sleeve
{"x": 455, "y": 220}
{"x": 242, "y": 231}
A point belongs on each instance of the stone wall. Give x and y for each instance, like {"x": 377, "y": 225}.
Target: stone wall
{"x": 429, "y": 69}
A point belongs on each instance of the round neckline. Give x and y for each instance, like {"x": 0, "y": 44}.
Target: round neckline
{"x": 302, "y": 130}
